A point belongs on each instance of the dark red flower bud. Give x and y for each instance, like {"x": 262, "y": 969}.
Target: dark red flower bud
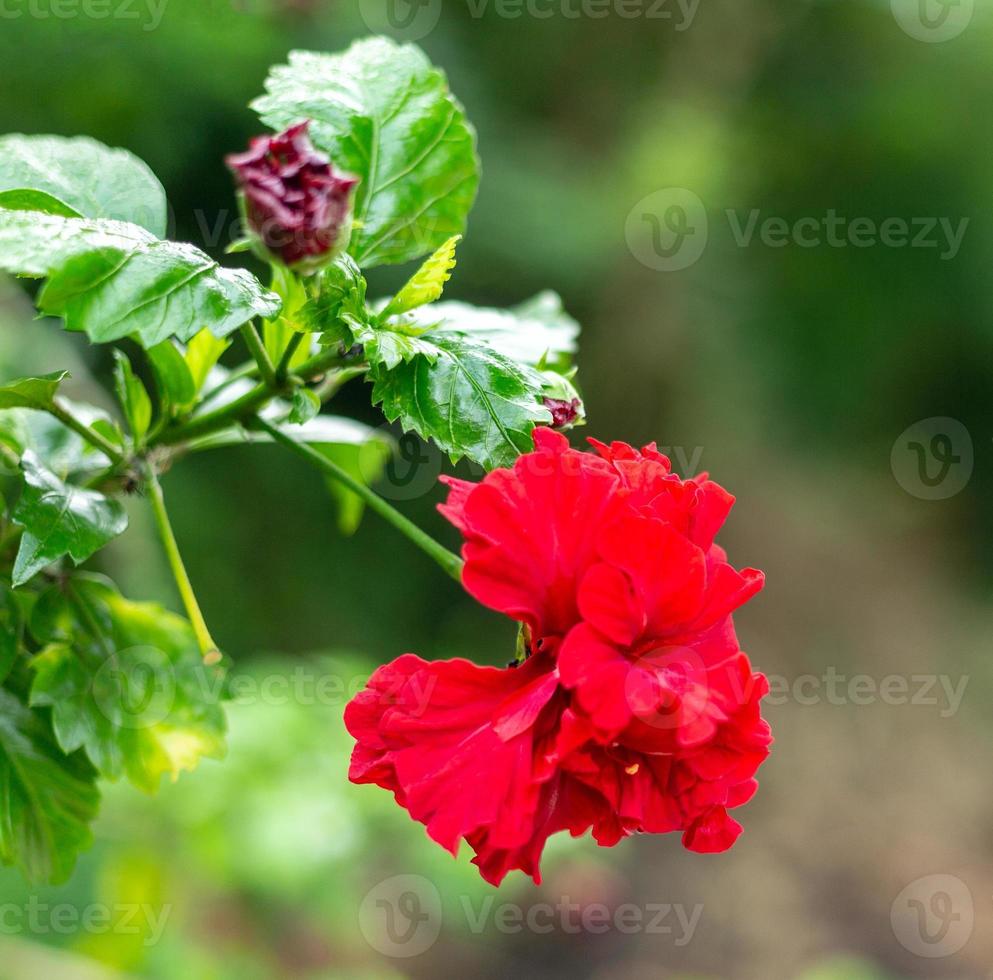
{"x": 295, "y": 204}
{"x": 564, "y": 413}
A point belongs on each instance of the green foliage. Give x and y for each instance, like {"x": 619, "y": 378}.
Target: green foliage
{"x": 32, "y": 392}
{"x": 113, "y": 280}
{"x": 64, "y": 170}
{"x": 133, "y": 397}
{"x": 469, "y": 399}
{"x": 202, "y": 354}
{"x": 428, "y": 283}
{"x": 176, "y": 385}
{"x": 47, "y": 799}
{"x": 383, "y": 113}
{"x": 126, "y": 684}
{"x": 60, "y": 519}
{"x": 538, "y": 331}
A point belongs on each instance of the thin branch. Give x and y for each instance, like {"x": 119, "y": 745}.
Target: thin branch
{"x": 258, "y": 351}
{"x": 208, "y": 648}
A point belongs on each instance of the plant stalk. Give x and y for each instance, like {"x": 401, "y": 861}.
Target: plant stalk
{"x": 245, "y": 406}
{"x": 254, "y": 343}
{"x": 93, "y": 438}
{"x": 208, "y": 648}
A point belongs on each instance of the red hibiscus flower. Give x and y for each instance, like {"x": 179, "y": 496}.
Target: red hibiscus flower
{"x": 635, "y": 709}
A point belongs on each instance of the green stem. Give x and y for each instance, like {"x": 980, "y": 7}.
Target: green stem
{"x": 449, "y": 561}
{"x": 93, "y": 438}
{"x": 283, "y": 368}
{"x": 245, "y": 406}
{"x": 208, "y": 648}
{"x": 220, "y": 418}
{"x": 258, "y": 351}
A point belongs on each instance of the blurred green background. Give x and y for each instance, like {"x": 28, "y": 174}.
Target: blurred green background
{"x": 791, "y": 373}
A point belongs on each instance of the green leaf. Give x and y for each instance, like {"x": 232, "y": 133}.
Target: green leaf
{"x": 277, "y": 333}
{"x": 87, "y": 178}
{"x": 383, "y": 113}
{"x": 133, "y": 396}
{"x": 202, "y": 353}
{"x": 60, "y": 519}
{"x": 25, "y": 199}
{"x": 339, "y": 303}
{"x": 60, "y": 449}
{"x": 176, "y": 387}
{"x": 127, "y": 685}
{"x": 536, "y": 331}
{"x": 390, "y": 348}
{"x": 428, "y": 283}
{"x": 470, "y": 400}
{"x": 32, "y": 392}
{"x": 47, "y": 799}
{"x": 113, "y": 280}
{"x": 306, "y": 406}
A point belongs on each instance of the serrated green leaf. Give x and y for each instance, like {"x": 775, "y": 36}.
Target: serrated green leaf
{"x": 128, "y": 686}
{"x": 32, "y": 392}
{"x": 467, "y": 398}
{"x": 60, "y": 519}
{"x": 383, "y": 113}
{"x": 87, "y": 178}
{"x": 389, "y": 348}
{"x": 112, "y": 279}
{"x": 47, "y": 799}
{"x": 305, "y": 406}
{"x": 428, "y": 283}
{"x": 176, "y": 387}
{"x": 133, "y": 397}
{"x": 529, "y": 333}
